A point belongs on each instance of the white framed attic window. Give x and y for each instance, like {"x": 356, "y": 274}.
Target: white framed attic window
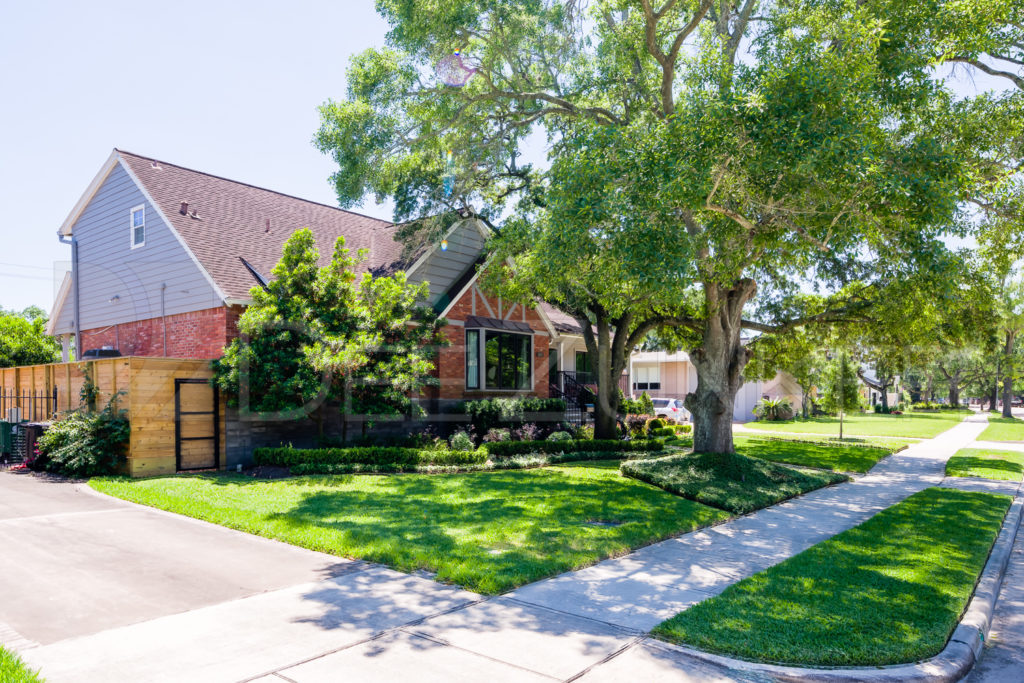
{"x": 137, "y": 225}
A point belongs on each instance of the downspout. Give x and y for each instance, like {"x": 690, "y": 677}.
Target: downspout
{"x": 74, "y": 285}
{"x": 163, "y": 314}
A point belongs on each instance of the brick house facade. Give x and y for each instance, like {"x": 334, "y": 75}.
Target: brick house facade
{"x": 164, "y": 259}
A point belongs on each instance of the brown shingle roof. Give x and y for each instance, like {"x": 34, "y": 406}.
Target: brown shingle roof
{"x": 562, "y": 322}
{"x": 233, "y": 222}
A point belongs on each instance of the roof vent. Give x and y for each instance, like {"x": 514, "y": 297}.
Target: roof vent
{"x": 268, "y": 226}
{"x": 184, "y": 208}
{"x": 195, "y": 214}
{"x": 155, "y": 164}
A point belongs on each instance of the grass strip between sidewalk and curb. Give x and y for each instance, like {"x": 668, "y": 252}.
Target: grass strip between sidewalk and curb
{"x": 729, "y": 481}
{"x": 14, "y": 670}
{"x": 1003, "y": 429}
{"x": 487, "y": 531}
{"x": 889, "y": 591}
{"x": 986, "y": 463}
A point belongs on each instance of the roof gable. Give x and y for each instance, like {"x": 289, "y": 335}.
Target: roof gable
{"x": 226, "y": 220}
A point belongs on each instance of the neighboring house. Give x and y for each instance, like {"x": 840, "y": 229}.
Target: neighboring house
{"x": 164, "y": 257}
{"x": 672, "y": 375}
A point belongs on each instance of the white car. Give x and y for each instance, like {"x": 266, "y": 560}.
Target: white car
{"x": 671, "y": 407}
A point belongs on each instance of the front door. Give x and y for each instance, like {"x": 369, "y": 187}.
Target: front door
{"x": 196, "y": 425}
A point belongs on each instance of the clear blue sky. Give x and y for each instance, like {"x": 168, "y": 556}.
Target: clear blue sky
{"x": 230, "y": 88}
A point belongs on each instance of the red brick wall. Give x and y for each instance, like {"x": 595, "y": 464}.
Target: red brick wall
{"x": 198, "y": 334}
{"x": 452, "y": 360}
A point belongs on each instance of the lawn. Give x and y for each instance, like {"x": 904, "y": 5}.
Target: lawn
{"x": 1003, "y": 429}
{"x": 889, "y": 591}
{"x": 728, "y": 481}
{"x": 919, "y": 425}
{"x": 487, "y": 531}
{"x": 986, "y": 463}
{"x": 13, "y": 670}
{"x": 838, "y": 456}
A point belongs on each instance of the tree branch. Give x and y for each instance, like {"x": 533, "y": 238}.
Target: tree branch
{"x": 982, "y": 66}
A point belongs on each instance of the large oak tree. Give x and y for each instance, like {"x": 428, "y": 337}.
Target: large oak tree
{"x": 712, "y": 167}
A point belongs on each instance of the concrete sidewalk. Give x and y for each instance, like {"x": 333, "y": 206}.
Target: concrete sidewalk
{"x": 643, "y": 588}
{"x": 371, "y": 623}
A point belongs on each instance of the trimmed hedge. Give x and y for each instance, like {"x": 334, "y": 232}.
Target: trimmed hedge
{"x": 516, "y": 462}
{"x": 671, "y": 430}
{"x": 503, "y": 449}
{"x": 373, "y": 456}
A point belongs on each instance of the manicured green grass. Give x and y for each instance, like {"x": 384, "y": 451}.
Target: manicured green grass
{"x": 986, "y": 463}
{"x": 838, "y": 456}
{"x": 888, "y": 591}
{"x": 13, "y": 670}
{"x": 920, "y": 425}
{"x": 1003, "y": 429}
{"x": 728, "y": 481}
{"x": 487, "y": 531}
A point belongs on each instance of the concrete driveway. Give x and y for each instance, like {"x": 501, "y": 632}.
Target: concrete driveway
{"x": 75, "y": 563}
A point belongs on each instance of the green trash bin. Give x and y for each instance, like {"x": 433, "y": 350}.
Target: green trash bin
{"x": 6, "y": 438}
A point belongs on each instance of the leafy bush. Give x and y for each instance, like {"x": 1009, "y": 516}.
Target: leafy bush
{"x": 683, "y": 429}
{"x": 636, "y": 425}
{"x": 559, "y": 436}
{"x": 461, "y": 441}
{"x": 485, "y": 414}
{"x": 497, "y": 435}
{"x": 662, "y": 432}
{"x": 528, "y": 432}
{"x": 655, "y": 423}
{"x": 774, "y": 409}
{"x": 584, "y": 432}
{"x": 509, "y": 448}
{"x": 84, "y": 444}
{"x": 371, "y": 456}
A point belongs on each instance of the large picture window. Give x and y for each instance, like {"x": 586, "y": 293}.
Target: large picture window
{"x": 507, "y": 361}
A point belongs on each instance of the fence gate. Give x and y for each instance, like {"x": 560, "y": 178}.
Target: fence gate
{"x": 196, "y": 425}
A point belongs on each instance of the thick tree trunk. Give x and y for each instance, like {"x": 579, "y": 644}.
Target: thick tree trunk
{"x": 610, "y": 352}
{"x": 719, "y": 362}
{"x": 954, "y": 392}
{"x": 1008, "y": 375}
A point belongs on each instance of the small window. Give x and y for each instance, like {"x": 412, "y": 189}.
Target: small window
{"x": 648, "y": 378}
{"x": 137, "y": 225}
{"x": 472, "y": 359}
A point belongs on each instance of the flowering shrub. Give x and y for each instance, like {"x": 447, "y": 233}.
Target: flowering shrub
{"x": 528, "y": 432}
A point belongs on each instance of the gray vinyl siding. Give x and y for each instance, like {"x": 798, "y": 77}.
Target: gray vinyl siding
{"x": 109, "y": 267}
{"x": 442, "y": 268}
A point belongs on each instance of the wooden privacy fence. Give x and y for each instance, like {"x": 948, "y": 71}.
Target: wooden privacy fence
{"x": 177, "y": 419}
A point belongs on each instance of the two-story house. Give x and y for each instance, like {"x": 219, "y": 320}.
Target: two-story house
{"x": 164, "y": 257}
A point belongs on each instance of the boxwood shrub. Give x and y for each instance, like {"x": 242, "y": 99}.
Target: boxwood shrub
{"x": 503, "y": 449}
{"x": 671, "y": 430}
{"x": 375, "y": 456}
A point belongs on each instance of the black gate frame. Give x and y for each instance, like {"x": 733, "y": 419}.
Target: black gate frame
{"x": 178, "y": 438}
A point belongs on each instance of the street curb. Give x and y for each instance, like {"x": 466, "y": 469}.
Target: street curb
{"x": 964, "y": 649}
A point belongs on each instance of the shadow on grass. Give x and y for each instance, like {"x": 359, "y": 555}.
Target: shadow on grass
{"x": 963, "y": 465}
{"x": 489, "y": 531}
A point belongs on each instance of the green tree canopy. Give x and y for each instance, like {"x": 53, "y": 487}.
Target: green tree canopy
{"x": 320, "y": 334}
{"x": 713, "y": 167}
{"x": 23, "y": 340}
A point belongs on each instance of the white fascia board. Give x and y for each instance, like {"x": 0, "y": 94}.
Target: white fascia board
{"x": 90, "y": 192}
{"x": 58, "y": 304}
